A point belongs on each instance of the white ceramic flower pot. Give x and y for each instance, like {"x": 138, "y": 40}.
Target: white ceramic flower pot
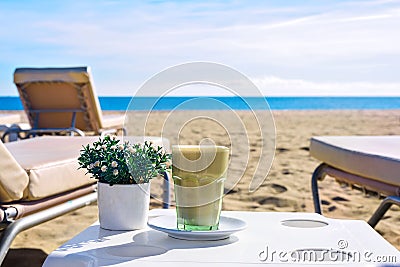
{"x": 123, "y": 207}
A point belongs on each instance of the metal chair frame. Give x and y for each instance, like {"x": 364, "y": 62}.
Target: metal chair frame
{"x": 392, "y": 192}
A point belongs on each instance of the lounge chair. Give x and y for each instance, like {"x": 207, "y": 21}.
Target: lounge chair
{"x": 63, "y": 100}
{"x": 40, "y": 180}
{"x": 370, "y": 163}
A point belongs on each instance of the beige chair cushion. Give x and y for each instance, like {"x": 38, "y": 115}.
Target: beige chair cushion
{"x": 13, "y": 178}
{"x": 374, "y": 157}
{"x": 50, "y": 165}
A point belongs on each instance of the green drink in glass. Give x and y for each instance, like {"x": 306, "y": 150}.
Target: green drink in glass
{"x": 199, "y": 173}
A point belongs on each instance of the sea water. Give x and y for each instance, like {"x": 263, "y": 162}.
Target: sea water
{"x": 235, "y": 103}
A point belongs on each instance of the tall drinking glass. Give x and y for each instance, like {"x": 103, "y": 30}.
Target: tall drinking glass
{"x": 199, "y": 173}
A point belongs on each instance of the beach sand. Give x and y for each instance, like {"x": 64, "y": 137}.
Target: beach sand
{"x": 287, "y": 187}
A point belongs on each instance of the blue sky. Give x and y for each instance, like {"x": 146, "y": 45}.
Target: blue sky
{"x": 285, "y": 47}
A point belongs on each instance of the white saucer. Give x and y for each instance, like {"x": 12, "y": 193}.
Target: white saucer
{"x": 227, "y": 226}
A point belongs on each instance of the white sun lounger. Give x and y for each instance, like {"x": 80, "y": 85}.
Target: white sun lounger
{"x": 367, "y": 162}
{"x": 40, "y": 180}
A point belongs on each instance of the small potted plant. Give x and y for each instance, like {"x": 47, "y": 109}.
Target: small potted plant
{"x": 123, "y": 171}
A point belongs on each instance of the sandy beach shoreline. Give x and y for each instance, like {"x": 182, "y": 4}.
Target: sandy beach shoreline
{"x": 287, "y": 187}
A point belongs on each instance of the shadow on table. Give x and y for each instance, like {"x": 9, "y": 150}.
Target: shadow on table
{"x": 144, "y": 244}
{"x": 24, "y": 257}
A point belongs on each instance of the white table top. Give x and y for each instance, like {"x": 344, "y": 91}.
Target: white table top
{"x": 350, "y": 242}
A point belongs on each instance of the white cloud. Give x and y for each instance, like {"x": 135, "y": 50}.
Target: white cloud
{"x": 370, "y": 17}
{"x": 275, "y": 86}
